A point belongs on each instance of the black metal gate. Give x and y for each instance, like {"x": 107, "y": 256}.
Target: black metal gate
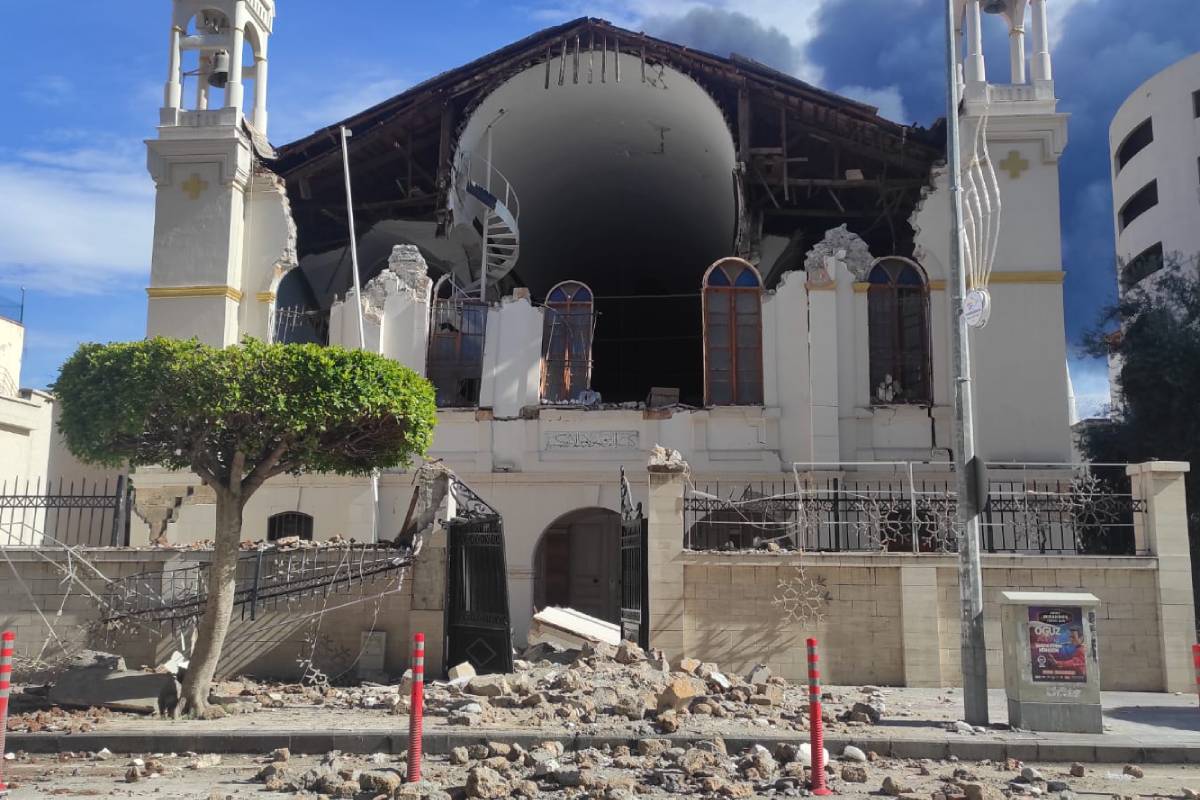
{"x": 478, "y": 628}
{"x": 635, "y": 579}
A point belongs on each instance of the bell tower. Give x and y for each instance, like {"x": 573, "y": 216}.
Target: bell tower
{"x": 202, "y": 165}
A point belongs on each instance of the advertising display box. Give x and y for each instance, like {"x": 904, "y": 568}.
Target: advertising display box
{"x": 1051, "y": 661}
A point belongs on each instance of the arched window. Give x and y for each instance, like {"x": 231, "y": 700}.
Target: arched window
{"x": 567, "y": 328}
{"x": 289, "y": 523}
{"x": 898, "y": 322}
{"x": 732, "y": 300}
{"x": 456, "y": 334}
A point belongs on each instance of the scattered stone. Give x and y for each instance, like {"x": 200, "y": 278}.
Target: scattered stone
{"x": 270, "y": 772}
{"x": 891, "y": 787}
{"x": 668, "y": 722}
{"x": 1030, "y": 775}
{"x": 463, "y": 671}
{"x": 133, "y": 775}
{"x": 281, "y": 754}
{"x": 852, "y": 753}
{"x": 963, "y": 727}
{"x": 525, "y": 789}
{"x": 1058, "y": 786}
{"x": 759, "y": 675}
{"x": 488, "y": 686}
{"x": 872, "y": 711}
{"x": 205, "y": 760}
{"x": 854, "y": 774}
{"x": 459, "y": 756}
{"x": 486, "y": 783}
{"x": 978, "y": 791}
{"x": 104, "y": 754}
{"x": 1190, "y": 794}
{"x": 1077, "y": 770}
{"x": 679, "y": 693}
{"x": 380, "y": 781}
{"x": 629, "y": 653}
{"x": 1134, "y": 771}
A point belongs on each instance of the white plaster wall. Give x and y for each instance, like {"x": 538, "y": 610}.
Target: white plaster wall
{"x": 213, "y": 320}
{"x": 269, "y": 247}
{"x": 512, "y": 355}
{"x": 1171, "y": 159}
{"x": 404, "y": 330}
{"x": 12, "y": 343}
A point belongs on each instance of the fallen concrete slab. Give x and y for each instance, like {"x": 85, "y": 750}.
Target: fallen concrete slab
{"x": 121, "y": 690}
{"x": 571, "y": 629}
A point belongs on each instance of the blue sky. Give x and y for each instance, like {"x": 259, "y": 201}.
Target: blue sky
{"x": 77, "y": 214}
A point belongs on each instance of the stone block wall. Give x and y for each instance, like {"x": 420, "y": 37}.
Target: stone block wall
{"x": 894, "y": 618}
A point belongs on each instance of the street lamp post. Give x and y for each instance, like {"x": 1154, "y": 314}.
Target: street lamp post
{"x": 970, "y": 579}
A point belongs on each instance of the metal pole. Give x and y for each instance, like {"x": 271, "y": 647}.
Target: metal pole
{"x": 362, "y": 335}
{"x": 970, "y": 580}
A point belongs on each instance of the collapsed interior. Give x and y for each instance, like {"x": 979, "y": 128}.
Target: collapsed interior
{"x": 623, "y": 163}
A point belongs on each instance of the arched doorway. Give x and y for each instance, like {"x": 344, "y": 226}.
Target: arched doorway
{"x": 577, "y": 563}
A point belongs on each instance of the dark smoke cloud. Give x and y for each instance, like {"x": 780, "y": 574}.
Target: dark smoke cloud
{"x": 723, "y": 32}
{"x": 1108, "y": 48}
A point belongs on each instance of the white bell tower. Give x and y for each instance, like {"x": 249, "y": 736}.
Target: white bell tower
{"x": 202, "y": 165}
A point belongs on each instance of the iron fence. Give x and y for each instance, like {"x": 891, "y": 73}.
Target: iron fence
{"x": 300, "y": 325}
{"x": 910, "y": 507}
{"x": 264, "y": 579}
{"x": 78, "y": 513}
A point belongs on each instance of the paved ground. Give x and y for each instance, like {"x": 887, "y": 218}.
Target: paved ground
{"x": 43, "y": 777}
{"x": 1138, "y": 726}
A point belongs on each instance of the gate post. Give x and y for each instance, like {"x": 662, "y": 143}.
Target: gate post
{"x": 664, "y": 551}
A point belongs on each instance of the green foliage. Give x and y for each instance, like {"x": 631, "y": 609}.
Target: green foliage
{"x": 1155, "y": 336}
{"x": 272, "y": 407}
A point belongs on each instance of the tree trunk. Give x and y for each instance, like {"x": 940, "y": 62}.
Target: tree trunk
{"x": 222, "y": 579}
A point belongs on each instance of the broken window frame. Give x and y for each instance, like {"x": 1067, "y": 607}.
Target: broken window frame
{"x": 898, "y": 304}
{"x": 454, "y": 356}
{"x": 727, "y": 287}
{"x": 289, "y": 523}
{"x": 568, "y": 332}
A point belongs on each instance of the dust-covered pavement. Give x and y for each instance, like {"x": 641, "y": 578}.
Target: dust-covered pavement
{"x": 650, "y": 770}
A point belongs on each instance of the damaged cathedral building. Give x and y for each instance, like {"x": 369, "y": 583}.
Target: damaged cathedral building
{"x": 594, "y": 242}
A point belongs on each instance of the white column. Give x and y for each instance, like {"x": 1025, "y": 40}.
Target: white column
{"x": 260, "y": 94}
{"x": 1041, "y": 43}
{"x": 171, "y": 91}
{"x": 233, "y": 91}
{"x": 1016, "y": 41}
{"x": 976, "y": 73}
{"x": 202, "y": 86}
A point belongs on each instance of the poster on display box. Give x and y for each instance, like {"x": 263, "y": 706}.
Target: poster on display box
{"x": 1056, "y": 644}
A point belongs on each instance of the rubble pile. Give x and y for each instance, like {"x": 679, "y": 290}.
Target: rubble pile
{"x": 601, "y": 687}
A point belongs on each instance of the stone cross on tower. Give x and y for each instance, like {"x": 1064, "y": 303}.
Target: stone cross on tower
{"x": 201, "y": 163}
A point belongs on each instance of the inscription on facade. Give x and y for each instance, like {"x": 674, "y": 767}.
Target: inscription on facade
{"x": 590, "y": 440}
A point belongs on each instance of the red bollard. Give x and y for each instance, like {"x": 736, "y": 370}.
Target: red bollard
{"x": 815, "y": 725}
{"x": 1195, "y": 663}
{"x": 6, "y": 656}
{"x": 416, "y": 710}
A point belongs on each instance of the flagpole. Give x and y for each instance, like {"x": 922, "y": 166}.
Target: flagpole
{"x": 362, "y": 334}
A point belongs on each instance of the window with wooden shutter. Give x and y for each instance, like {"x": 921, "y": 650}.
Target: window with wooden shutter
{"x": 567, "y": 328}
{"x": 732, "y": 301}
{"x": 898, "y": 333}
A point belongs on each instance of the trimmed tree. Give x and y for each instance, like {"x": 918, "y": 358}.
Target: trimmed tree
{"x": 1154, "y": 335}
{"x": 237, "y": 416}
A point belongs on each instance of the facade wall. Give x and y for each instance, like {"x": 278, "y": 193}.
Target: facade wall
{"x": 1172, "y": 159}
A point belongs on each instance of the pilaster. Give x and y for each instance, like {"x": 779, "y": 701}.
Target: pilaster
{"x": 1162, "y": 531}
{"x": 919, "y": 626}
{"x": 664, "y": 516}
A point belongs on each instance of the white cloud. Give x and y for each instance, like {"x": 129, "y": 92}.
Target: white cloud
{"x": 1090, "y": 380}
{"x": 888, "y": 100}
{"x": 76, "y": 221}
{"x": 49, "y": 90}
{"x": 296, "y": 114}
{"x": 795, "y": 18}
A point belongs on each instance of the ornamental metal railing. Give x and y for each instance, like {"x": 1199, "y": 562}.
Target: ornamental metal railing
{"x": 912, "y": 507}
{"x": 76, "y": 513}
{"x": 266, "y": 579}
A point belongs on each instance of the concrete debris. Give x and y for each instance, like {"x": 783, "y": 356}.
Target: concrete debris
{"x": 852, "y": 753}
{"x": 1133, "y": 771}
{"x": 462, "y": 671}
{"x": 571, "y": 629}
{"x": 121, "y": 690}
{"x": 664, "y": 459}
